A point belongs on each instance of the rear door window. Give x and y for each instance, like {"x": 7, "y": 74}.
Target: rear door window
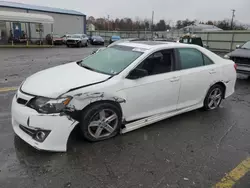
{"x": 207, "y": 61}
{"x": 190, "y": 58}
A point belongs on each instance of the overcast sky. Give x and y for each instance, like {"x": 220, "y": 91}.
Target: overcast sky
{"x": 164, "y": 9}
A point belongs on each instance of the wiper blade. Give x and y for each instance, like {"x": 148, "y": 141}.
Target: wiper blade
{"x": 87, "y": 67}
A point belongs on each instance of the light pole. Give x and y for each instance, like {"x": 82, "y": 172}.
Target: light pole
{"x": 233, "y": 15}
{"x": 108, "y": 22}
{"x": 152, "y": 23}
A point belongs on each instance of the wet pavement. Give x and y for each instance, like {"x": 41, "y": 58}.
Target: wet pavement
{"x": 195, "y": 149}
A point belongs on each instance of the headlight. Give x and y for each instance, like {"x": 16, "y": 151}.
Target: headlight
{"x": 49, "y": 106}
{"x": 226, "y": 56}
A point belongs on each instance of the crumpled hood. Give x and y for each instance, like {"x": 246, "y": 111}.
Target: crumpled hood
{"x": 55, "y": 81}
{"x": 240, "y": 53}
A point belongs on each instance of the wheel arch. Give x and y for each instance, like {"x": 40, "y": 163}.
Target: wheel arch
{"x": 82, "y": 102}
{"x": 222, "y": 85}
{"x": 115, "y": 103}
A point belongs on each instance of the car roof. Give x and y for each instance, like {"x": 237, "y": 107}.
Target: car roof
{"x": 155, "y": 44}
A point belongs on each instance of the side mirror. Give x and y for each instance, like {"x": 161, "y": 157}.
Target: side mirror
{"x": 137, "y": 73}
{"x": 237, "y": 46}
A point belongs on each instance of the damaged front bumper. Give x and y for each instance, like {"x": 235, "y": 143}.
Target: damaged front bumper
{"x": 52, "y": 129}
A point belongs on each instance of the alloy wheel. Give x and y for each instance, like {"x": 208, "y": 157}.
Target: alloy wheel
{"x": 103, "y": 123}
{"x": 214, "y": 98}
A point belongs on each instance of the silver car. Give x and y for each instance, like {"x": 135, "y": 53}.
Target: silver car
{"x": 78, "y": 40}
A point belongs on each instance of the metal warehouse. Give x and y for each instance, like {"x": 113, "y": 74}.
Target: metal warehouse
{"x": 64, "y": 21}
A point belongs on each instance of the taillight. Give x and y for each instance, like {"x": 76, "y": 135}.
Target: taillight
{"x": 235, "y": 66}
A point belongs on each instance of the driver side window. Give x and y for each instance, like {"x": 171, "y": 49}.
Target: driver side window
{"x": 158, "y": 63}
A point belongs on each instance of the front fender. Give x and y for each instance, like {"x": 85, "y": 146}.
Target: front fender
{"x": 81, "y": 100}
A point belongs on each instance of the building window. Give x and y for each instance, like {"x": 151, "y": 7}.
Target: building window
{"x": 39, "y": 28}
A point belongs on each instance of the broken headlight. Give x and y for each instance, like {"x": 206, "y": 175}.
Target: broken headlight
{"x": 49, "y": 106}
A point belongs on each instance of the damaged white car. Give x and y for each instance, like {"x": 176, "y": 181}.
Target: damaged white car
{"x": 119, "y": 89}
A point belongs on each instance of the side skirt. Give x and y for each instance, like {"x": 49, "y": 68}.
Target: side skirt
{"x": 155, "y": 118}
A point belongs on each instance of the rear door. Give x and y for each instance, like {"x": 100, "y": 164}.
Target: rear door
{"x": 198, "y": 73}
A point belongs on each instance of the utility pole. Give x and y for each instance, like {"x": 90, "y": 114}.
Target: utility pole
{"x": 233, "y": 15}
{"x": 152, "y": 23}
{"x": 108, "y": 22}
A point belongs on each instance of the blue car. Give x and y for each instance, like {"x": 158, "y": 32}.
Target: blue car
{"x": 114, "y": 38}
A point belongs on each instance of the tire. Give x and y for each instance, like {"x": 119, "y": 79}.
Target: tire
{"x": 79, "y": 44}
{"x": 214, "y": 95}
{"x": 91, "y": 124}
{"x": 68, "y": 45}
{"x": 86, "y": 45}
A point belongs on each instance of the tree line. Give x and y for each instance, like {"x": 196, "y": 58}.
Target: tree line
{"x": 162, "y": 25}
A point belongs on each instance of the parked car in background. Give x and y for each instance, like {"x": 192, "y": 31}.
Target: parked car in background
{"x": 122, "y": 88}
{"x": 192, "y": 39}
{"x": 115, "y": 43}
{"x": 78, "y": 40}
{"x": 65, "y": 37}
{"x": 241, "y": 56}
{"x": 114, "y": 38}
{"x": 96, "y": 40}
{"x": 57, "y": 39}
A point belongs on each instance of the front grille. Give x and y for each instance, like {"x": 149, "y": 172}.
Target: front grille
{"x": 28, "y": 131}
{"x": 21, "y": 101}
{"x": 71, "y": 41}
{"x": 241, "y": 60}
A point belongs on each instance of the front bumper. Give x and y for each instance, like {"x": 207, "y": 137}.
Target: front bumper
{"x": 58, "y": 42}
{"x": 97, "y": 42}
{"x": 60, "y": 127}
{"x": 243, "y": 69}
{"x": 71, "y": 42}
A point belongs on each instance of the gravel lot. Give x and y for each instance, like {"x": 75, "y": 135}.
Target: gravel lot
{"x": 195, "y": 149}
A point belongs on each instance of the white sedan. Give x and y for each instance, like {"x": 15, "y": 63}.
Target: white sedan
{"x": 117, "y": 90}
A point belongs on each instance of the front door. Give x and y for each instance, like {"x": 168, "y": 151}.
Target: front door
{"x": 156, "y": 93}
{"x": 17, "y": 30}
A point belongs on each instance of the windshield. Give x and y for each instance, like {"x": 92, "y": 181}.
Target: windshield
{"x": 111, "y": 60}
{"x": 246, "y": 45}
{"x": 75, "y": 36}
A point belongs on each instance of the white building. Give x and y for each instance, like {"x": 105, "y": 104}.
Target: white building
{"x": 200, "y": 27}
{"x": 90, "y": 27}
{"x": 65, "y": 21}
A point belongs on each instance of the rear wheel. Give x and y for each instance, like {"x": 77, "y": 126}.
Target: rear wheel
{"x": 214, "y": 97}
{"x": 101, "y": 121}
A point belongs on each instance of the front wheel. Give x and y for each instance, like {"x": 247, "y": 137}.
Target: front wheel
{"x": 101, "y": 121}
{"x": 214, "y": 97}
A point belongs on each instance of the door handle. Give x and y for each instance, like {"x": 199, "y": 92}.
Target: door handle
{"x": 174, "y": 79}
{"x": 212, "y": 71}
